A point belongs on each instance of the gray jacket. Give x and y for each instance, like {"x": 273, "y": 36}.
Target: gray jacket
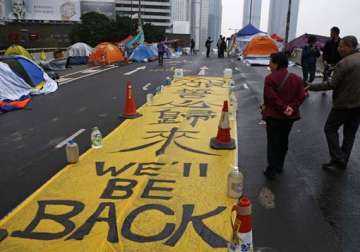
{"x": 345, "y": 83}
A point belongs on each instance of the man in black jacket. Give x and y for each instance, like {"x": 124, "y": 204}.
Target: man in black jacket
{"x": 331, "y": 55}
{"x": 346, "y": 103}
{"x": 208, "y": 46}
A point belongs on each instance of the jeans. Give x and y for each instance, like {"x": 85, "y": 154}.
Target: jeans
{"x": 309, "y": 72}
{"x": 350, "y": 120}
{"x": 277, "y": 143}
{"x": 207, "y": 52}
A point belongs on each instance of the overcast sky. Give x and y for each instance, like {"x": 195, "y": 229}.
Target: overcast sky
{"x": 315, "y": 16}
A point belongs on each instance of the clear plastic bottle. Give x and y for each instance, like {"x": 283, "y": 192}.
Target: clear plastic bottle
{"x": 72, "y": 152}
{"x": 96, "y": 138}
{"x": 235, "y": 183}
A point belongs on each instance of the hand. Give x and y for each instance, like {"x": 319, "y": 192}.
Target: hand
{"x": 306, "y": 88}
{"x": 289, "y": 111}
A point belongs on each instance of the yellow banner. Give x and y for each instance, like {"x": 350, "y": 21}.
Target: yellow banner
{"x": 156, "y": 185}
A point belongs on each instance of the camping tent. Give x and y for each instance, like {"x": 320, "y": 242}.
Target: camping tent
{"x": 32, "y": 74}
{"x": 301, "y": 41}
{"x": 248, "y": 30}
{"x": 276, "y": 37}
{"x": 18, "y": 50}
{"x": 143, "y": 53}
{"x": 78, "y": 53}
{"x": 260, "y": 46}
{"x": 245, "y": 35}
{"x": 105, "y": 54}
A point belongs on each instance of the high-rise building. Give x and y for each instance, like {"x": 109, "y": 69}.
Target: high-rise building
{"x": 158, "y": 13}
{"x": 199, "y": 22}
{"x": 215, "y": 16}
{"x": 252, "y": 12}
{"x": 181, "y": 16}
{"x": 278, "y": 16}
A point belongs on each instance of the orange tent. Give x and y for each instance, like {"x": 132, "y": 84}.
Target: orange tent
{"x": 260, "y": 46}
{"x": 105, "y": 54}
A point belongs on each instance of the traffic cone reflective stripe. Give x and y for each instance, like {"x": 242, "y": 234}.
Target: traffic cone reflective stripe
{"x": 130, "y": 106}
{"x": 223, "y": 138}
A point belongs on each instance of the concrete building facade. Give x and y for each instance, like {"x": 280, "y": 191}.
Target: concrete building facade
{"x": 181, "y": 16}
{"x": 278, "y": 15}
{"x": 158, "y": 13}
{"x": 253, "y": 6}
{"x": 215, "y": 19}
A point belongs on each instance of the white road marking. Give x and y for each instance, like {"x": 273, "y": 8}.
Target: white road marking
{"x": 86, "y": 75}
{"x": 145, "y": 87}
{"x": 89, "y": 71}
{"x": 134, "y": 71}
{"x": 202, "y": 72}
{"x": 246, "y": 86}
{"x": 92, "y": 68}
{"x": 61, "y": 144}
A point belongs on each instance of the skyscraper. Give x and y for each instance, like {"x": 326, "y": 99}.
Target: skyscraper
{"x": 278, "y": 16}
{"x": 181, "y": 16}
{"x": 199, "y": 22}
{"x": 158, "y": 13}
{"x": 215, "y": 16}
{"x": 253, "y": 6}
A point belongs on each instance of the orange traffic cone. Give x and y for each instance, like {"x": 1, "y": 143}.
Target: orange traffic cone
{"x": 130, "y": 106}
{"x": 223, "y": 139}
{"x": 242, "y": 226}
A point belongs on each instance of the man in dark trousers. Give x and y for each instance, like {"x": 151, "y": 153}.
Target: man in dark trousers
{"x": 192, "y": 47}
{"x": 309, "y": 55}
{"x": 345, "y": 112}
{"x": 208, "y": 47}
{"x": 331, "y": 55}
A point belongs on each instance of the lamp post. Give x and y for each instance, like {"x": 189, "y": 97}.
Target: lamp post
{"x": 250, "y": 11}
{"x": 288, "y": 24}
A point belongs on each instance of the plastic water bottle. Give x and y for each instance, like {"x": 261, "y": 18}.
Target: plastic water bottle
{"x": 96, "y": 138}
{"x": 167, "y": 81}
{"x": 235, "y": 183}
{"x": 72, "y": 152}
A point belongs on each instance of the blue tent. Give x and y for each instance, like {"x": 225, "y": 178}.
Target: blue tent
{"x": 31, "y": 73}
{"x": 248, "y": 31}
{"x": 142, "y": 53}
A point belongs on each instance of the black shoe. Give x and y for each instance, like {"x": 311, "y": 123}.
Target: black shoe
{"x": 269, "y": 175}
{"x": 279, "y": 171}
{"x": 333, "y": 166}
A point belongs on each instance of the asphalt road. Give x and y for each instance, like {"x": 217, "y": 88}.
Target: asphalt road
{"x": 307, "y": 209}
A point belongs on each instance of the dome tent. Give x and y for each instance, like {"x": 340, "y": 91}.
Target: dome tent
{"x": 18, "y": 50}
{"x": 79, "y": 53}
{"x": 106, "y": 54}
{"x": 260, "y": 46}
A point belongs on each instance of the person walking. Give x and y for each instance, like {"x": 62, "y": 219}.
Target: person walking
{"x": 218, "y": 45}
{"x": 161, "y": 51}
{"x": 208, "y": 47}
{"x": 309, "y": 55}
{"x": 222, "y": 47}
{"x": 283, "y": 95}
{"x": 345, "y": 111}
{"x": 192, "y": 47}
{"x": 331, "y": 55}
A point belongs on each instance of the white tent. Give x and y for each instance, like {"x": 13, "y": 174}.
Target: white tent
{"x": 79, "y": 49}
{"x": 12, "y": 87}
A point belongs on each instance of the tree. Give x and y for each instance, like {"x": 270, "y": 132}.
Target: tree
{"x": 153, "y": 33}
{"x": 93, "y": 29}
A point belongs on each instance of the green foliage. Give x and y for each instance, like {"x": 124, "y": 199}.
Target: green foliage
{"x": 153, "y": 33}
{"x": 96, "y": 28}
